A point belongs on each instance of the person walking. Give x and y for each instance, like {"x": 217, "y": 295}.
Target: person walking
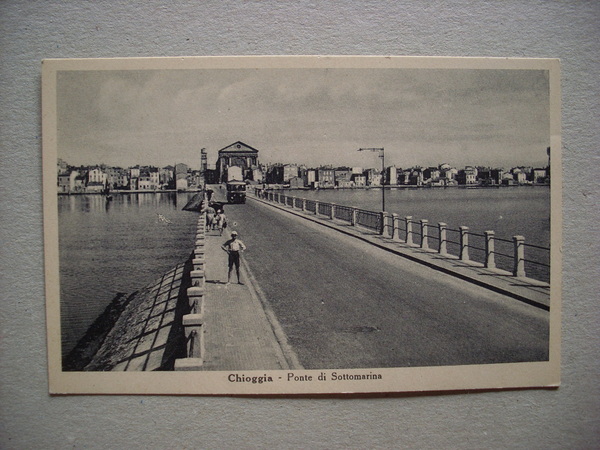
{"x": 221, "y": 222}
{"x": 214, "y": 219}
{"x": 233, "y": 247}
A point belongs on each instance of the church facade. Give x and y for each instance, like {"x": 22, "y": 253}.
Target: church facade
{"x": 240, "y": 155}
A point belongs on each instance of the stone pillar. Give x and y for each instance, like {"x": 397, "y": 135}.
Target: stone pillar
{"x": 490, "y": 263}
{"x": 332, "y": 212}
{"x": 293, "y": 202}
{"x": 304, "y": 204}
{"x": 442, "y": 248}
{"x": 385, "y": 225}
{"x": 395, "y": 227}
{"x": 464, "y": 243}
{"x": 316, "y": 208}
{"x": 196, "y": 299}
{"x": 424, "y": 241}
{"x": 354, "y": 220}
{"x": 194, "y": 332}
{"x": 199, "y": 263}
{"x": 519, "y": 263}
{"x": 408, "y": 223}
{"x": 197, "y": 277}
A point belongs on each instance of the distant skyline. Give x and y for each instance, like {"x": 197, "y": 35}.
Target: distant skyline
{"x": 497, "y": 118}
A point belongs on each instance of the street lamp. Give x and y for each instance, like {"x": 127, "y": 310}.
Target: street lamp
{"x": 382, "y": 156}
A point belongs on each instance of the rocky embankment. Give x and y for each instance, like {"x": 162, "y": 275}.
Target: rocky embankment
{"x": 142, "y": 331}
{"x": 90, "y": 343}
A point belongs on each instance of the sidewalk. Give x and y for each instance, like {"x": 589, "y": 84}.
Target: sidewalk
{"x": 238, "y": 333}
{"x": 527, "y": 290}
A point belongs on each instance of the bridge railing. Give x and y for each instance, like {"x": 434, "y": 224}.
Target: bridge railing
{"x": 368, "y": 219}
{"x": 466, "y": 245}
{"x": 193, "y": 322}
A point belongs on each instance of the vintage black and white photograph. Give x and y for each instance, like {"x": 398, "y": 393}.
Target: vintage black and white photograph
{"x": 293, "y": 225}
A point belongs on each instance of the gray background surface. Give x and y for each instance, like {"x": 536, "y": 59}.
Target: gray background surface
{"x": 33, "y": 30}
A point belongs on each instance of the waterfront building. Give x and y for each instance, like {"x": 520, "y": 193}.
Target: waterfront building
{"x": 149, "y": 179}
{"x": 95, "y": 180}
{"x": 113, "y": 176}
{"x": 416, "y": 177}
{"x": 289, "y": 171}
{"x": 391, "y": 175}
{"x": 145, "y": 183}
{"x": 326, "y": 177}
{"x": 539, "y": 175}
{"x": 310, "y": 177}
{"x": 343, "y": 176}
{"x": 165, "y": 176}
{"x": 448, "y": 173}
{"x": 154, "y": 175}
{"x": 403, "y": 177}
{"x": 195, "y": 178}
{"x": 181, "y": 175}
{"x": 66, "y": 181}
{"x": 122, "y": 181}
{"x": 80, "y": 182}
{"x": 359, "y": 180}
{"x": 519, "y": 176}
{"x": 257, "y": 175}
{"x": 296, "y": 183}
{"x": 237, "y": 154}
{"x": 62, "y": 166}
{"x": 275, "y": 174}
{"x": 467, "y": 176}
{"x": 431, "y": 175}
{"x": 490, "y": 177}
{"x": 134, "y": 172}
{"x": 96, "y": 176}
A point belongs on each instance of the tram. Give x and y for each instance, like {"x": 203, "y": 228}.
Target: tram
{"x": 236, "y": 192}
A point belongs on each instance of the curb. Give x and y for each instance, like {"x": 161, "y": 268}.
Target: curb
{"x": 288, "y": 356}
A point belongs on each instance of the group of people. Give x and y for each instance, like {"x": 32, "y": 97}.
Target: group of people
{"x": 218, "y": 221}
{"x": 233, "y": 247}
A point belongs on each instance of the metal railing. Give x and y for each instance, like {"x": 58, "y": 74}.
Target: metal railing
{"x": 484, "y": 248}
{"x": 368, "y": 219}
{"x": 343, "y": 213}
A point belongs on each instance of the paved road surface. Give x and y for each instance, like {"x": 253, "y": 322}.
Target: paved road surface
{"x": 345, "y": 304}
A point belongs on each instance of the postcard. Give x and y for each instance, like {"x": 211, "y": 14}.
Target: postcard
{"x": 257, "y": 225}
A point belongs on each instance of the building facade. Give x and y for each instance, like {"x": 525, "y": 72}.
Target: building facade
{"x": 240, "y": 155}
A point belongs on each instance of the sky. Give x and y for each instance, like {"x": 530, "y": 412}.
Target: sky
{"x": 426, "y": 117}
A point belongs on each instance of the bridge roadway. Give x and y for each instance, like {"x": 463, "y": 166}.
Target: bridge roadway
{"x": 343, "y": 303}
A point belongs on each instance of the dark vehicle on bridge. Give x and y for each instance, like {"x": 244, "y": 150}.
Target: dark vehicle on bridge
{"x": 236, "y": 192}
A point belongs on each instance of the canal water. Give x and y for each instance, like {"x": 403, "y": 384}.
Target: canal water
{"x": 107, "y": 247}
{"x": 508, "y": 211}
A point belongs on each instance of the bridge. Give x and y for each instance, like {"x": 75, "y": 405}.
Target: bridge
{"x": 323, "y": 290}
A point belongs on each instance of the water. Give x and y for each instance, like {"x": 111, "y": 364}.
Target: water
{"x": 510, "y": 211}
{"x": 117, "y": 246}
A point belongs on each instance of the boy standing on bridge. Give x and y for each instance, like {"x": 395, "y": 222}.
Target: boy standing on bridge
{"x": 233, "y": 247}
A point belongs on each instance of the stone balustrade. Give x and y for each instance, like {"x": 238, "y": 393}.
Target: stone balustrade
{"x": 392, "y": 226}
{"x": 193, "y": 322}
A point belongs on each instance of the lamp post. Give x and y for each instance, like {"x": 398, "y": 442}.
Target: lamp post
{"x": 382, "y": 156}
